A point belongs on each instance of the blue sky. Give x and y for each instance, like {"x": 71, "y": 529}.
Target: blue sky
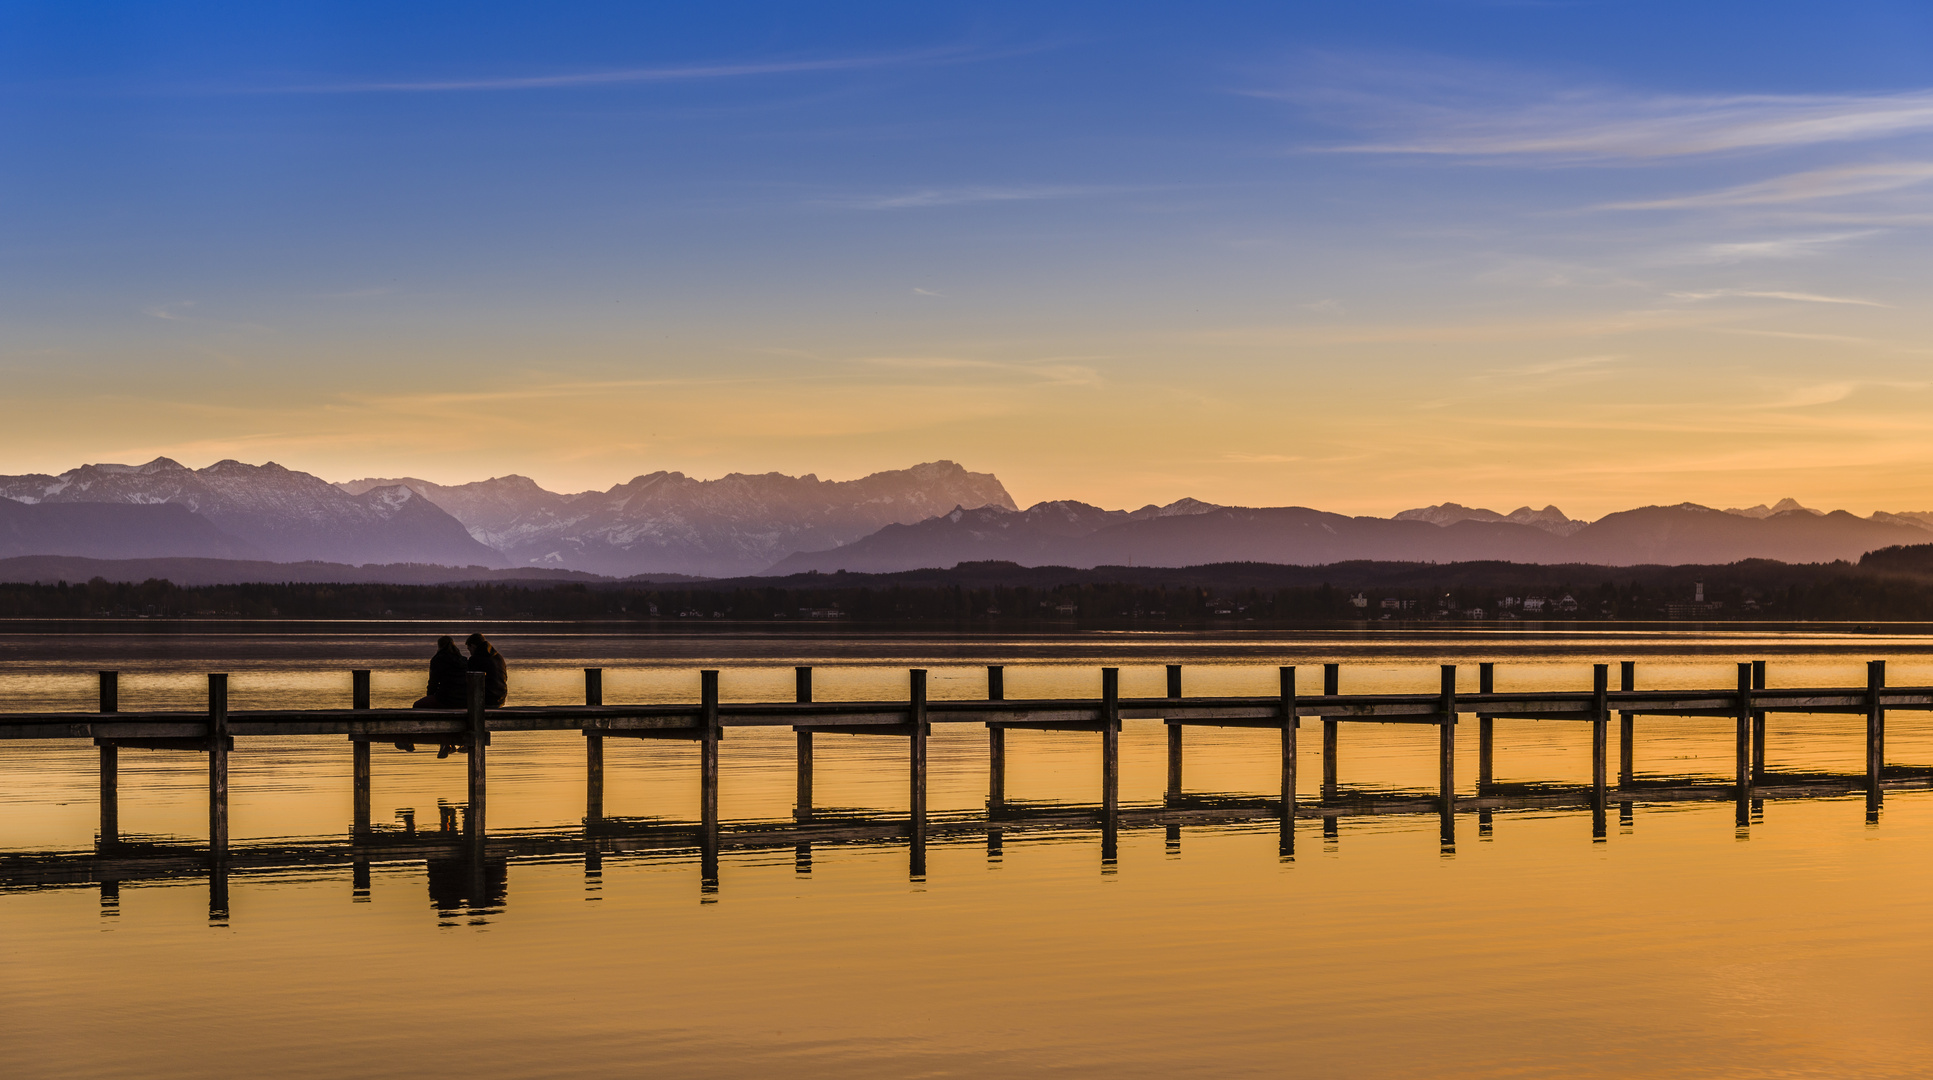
{"x": 1356, "y": 255}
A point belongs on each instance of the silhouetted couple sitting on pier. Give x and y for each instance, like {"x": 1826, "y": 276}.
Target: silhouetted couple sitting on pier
{"x": 449, "y": 681}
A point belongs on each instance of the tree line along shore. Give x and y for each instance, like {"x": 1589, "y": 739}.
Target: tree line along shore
{"x": 1894, "y": 584}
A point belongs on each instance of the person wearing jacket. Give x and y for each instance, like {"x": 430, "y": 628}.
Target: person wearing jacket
{"x": 484, "y": 657}
{"x": 446, "y": 687}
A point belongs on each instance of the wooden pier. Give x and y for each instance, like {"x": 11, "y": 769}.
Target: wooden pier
{"x": 1746, "y": 705}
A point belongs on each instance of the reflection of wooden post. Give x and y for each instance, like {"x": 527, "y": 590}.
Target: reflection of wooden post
{"x": 1627, "y": 755}
{"x": 218, "y": 768}
{"x": 1486, "y": 731}
{"x": 475, "y": 687}
{"x": 110, "y": 764}
{"x": 996, "y": 744}
{"x": 1331, "y": 686}
{"x": 359, "y": 755}
{"x": 1758, "y": 726}
{"x": 802, "y": 693}
{"x": 593, "y": 750}
{"x": 1875, "y": 734}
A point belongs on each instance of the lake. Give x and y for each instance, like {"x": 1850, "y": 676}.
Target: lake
{"x": 1679, "y": 944}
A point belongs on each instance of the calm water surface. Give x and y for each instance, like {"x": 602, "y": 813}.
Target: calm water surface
{"x": 1680, "y": 945}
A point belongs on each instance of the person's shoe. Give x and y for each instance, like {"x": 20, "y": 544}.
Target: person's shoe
{"x": 406, "y": 747}
{"x": 444, "y": 751}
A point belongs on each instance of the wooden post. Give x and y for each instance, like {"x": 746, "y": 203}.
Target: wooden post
{"x": 1486, "y": 731}
{"x": 359, "y": 757}
{"x": 1174, "y": 735}
{"x": 218, "y": 769}
{"x": 802, "y": 800}
{"x": 593, "y": 751}
{"x": 1600, "y": 730}
{"x": 110, "y": 764}
{"x": 1742, "y": 746}
{"x": 708, "y": 753}
{"x": 1627, "y": 680}
{"x": 1875, "y": 734}
{"x": 1290, "y": 722}
{"x": 918, "y": 770}
{"x": 996, "y": 744}
{"x": 1446, "y": 741}
{"x": 476, "y": 687}
{"x": 1758, "y": 726}
{"x": 1331, "y": 686}
{"x": 1600, "y": 746}
{"x": 1110, "y": 760}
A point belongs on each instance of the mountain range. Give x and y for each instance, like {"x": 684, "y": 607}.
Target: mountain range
{"x": 936, "y": 514}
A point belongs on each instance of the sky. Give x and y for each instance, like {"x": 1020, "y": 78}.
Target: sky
{"x": 1360, "y": 256}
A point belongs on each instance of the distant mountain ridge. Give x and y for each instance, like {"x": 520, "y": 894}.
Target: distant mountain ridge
{"x": 669, "y": 522}
{"x": 264, "y": 510}
{"x": 1082, "y": 536}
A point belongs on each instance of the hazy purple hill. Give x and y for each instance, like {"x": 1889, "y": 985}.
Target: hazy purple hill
{"x": 113, "y": 531}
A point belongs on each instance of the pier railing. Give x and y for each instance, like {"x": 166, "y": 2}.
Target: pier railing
{"x": 217, "y": 730}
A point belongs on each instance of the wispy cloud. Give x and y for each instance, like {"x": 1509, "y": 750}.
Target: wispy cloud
{"x": 1778, "y": 247}
{"x": 1798, "y": 187}
{"x": 1057, "y": 372}
{"x": 926, "y": 292}
{"x": 621, "y": 76}
{"x": 1429, "y": 105}
{"x": 960, "y": 196}
{"x": 1757, "y": 294}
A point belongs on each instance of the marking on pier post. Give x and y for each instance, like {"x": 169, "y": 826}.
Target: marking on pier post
{"x": 1600, "y": 748}
{"x": 1627, "y": 773}
{"x": 479, "y": 740}
{"x": 1875, "y": 737}
{"x": 359, "y": 758}
{"x": 1174, "y": 735}
{"x": 1742, "y": 748}
{"x": 593, "y": 751}
{"x": 1486, "y": 731}
{"x": 1290, "y": 722}
{"x": 218, "y": 776}
{"x": 110, "y": 764}
{"x": 1446, "y": 753}
{"x": 921, "y": 728}
{"x": 1758, "y": 726}
{"x": 802, "y": 799}
{"x": 996, "y": 744}
{"x": 1331, "y": 686}
{"x": 1110, "y": 761}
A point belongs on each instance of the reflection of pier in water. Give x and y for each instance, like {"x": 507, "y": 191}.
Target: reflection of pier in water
{"x": 468, "y": 862}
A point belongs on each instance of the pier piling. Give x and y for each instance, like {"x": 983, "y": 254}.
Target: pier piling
{"x": 1110, "y": 751}
{"x": 917, "y": 679}
{"x": 802, "y": 800}
{"x": 1875, "y": 736}
{"x": 1446, "y": 741}
{"x": 218, "y": 773}
{"x": 110, "y": 702}
{"x": 1174, "y": 735}
{"x": 1627, "y": 680}
{"x": 1758, "y": 726}
{"x": 475, "y": 688}
{"x": 1600, "y": 749}
{"x": 1290, "y": 722}
{"x": 708, "y": 735}
{"x": 996, "y": 743}
{"x": 1742, "y": 747}
{"x": 593, "y": 751}
{"x": 1331, "y": 686}
{"x": 1486, "y": 731}
{"x": 359, "y": 758}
